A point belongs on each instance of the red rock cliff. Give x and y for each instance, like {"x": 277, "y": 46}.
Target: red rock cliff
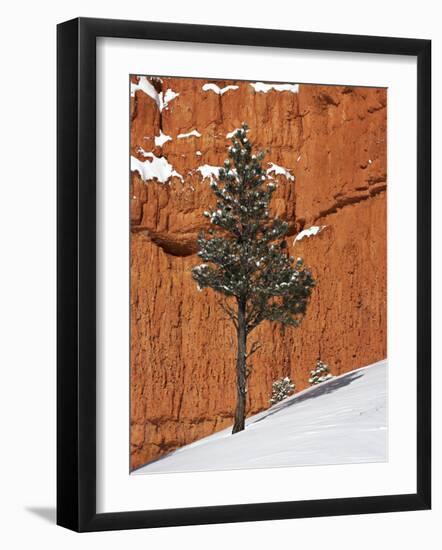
{"x": 333, "y": 139}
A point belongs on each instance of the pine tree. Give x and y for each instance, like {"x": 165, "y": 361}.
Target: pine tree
{"x": 281, "y": 389}
{"x": 320, "y": 373}
{"x": 245, "y": 257}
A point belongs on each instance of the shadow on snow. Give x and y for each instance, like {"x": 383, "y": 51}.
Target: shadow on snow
{"x": 321, "y": 389}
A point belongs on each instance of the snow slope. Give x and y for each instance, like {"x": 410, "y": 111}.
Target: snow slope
{"x": 343, "y": 420}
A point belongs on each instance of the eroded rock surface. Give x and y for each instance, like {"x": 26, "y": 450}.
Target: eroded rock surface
{"x": 333, "y": 139}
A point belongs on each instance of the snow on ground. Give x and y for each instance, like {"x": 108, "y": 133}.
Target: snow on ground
{"x": 340, "y": 421}
{"x": 313, "y": 230}
{"x": 261, "y": 87}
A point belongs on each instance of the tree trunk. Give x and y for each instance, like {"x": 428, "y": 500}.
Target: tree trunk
{"x": 241, "y": 378}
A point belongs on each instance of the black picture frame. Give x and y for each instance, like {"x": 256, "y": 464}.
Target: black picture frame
{"x": 76, "y": 274}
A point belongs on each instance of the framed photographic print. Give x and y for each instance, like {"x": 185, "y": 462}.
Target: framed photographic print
{"x": 243, "y": 274}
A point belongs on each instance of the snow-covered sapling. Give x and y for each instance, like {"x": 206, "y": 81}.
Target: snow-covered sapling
{"x": 245, "y": 257}
{"x": 281, "y": 388}
{"x": 320, "y": 373}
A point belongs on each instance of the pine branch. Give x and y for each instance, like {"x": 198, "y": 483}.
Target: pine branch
{"x": 255, "y": 320}
{"x": 255, "y": 347}
{"x": 229, "y": 312}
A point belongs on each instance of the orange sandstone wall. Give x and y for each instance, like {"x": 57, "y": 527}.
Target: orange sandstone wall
{"x": 333, "y": 139}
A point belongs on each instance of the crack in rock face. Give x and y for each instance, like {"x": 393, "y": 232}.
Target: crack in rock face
{"x": 326, "y": 150}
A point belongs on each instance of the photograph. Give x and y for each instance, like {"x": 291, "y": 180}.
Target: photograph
{"x": 258, "y": 274}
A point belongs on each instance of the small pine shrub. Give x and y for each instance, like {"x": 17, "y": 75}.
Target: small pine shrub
{"x": 320, "y": 373}
{"x": 281, "y": 389}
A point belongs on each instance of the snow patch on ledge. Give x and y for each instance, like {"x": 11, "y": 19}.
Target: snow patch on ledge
{"x": 208, "y": 171}
{"x": 161, "y": 139}
{"x": 279, "y": 170}
{"x": 168, "y": 96}
{"x": 220, "y": 91}
{"x": 313, "y": 230}
{"x": 189, "y": 134}
{"x": 161, "y": 99}
{"x": 262, "y": 87}
{"x": 145, "y": 86}
{"x": 156, "y": 168}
